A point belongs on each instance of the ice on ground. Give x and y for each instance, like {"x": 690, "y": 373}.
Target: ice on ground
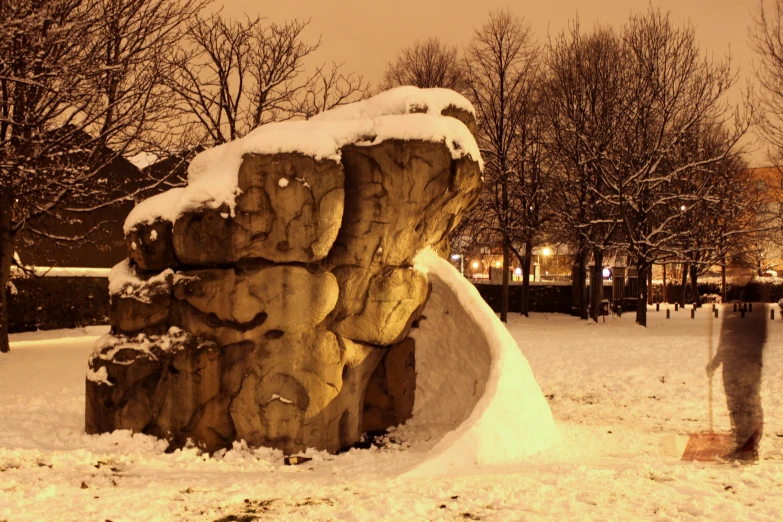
{"x": 472, "y": 383}
{"x": 405, "y": 113}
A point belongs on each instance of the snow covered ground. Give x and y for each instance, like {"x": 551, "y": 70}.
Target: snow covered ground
{"x": 616, "y": 391}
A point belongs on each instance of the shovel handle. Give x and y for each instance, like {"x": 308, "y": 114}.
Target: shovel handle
{"x": 709, "y": 376}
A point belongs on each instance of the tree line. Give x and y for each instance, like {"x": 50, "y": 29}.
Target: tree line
{"x": 608, "y": 141}
{"x": 612, "y": 142}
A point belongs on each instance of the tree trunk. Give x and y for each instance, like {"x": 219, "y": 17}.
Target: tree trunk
{"x": 684, "y": 286}
{"x": 526, "y": 261}
{"x": 665, "y": 300}
{"x": 695, "y": 286}
{"x": 597, "y": 281}
{"x": 6, "y": 255}
{"x": 723, "y": 283}
{"x": 649, "y": 286}
{"x": 504, "y": 289}
{"x": 641, "y": 301}
{"x": 578, "y": 286}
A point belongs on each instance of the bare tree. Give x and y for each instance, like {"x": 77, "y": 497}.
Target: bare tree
{"x": 672, "y": 89}
{"x": 77, "y": 89}
{"x": 327, "y": 88}
{"x": 530, "y": 185}
{"x": 717, "y": 206}
{"x": 583, "y": 99}
{"x": 426, "y": 64}
{"x": 502, "y": 64}
{"x": 232, "y": 76}
{"x": 766, "y": 39}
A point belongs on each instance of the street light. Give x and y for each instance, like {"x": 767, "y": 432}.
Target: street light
{"x": 546, "y": 251}
{"x": 461, "y": 262}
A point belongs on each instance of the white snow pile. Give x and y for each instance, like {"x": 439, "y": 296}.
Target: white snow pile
{"x": 125, "y": 281}
{"x": 405, "y": 113}
{"x": 57, "y": 271}
{"x": 143, "y": 159}
{"x": 108, "y": 346}
{"x": 472, "y": 381}
{"x": 162, "y": 206}
{"x": 401, "y": 100}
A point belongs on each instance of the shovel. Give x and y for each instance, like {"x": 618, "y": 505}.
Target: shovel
{"x": 708, "y": 446}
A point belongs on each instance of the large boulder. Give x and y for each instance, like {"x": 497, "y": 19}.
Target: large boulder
{"x": 289, "y": 209}
{"x": 258, "y": 301}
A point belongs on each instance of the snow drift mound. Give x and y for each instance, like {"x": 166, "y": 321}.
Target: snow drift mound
{"x": 472, "y": 382}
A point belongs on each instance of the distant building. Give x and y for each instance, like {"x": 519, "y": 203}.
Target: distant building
{"x": 103, "y": 245}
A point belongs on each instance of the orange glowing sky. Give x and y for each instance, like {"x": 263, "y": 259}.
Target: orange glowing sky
{"x": 367, "y": 34}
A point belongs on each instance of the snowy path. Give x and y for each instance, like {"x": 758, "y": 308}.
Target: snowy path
{"x": 615, "y": 389}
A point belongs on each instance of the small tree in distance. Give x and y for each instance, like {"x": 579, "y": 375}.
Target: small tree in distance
{"x": 426, "y": 64}
{"x": 229, "y": 77}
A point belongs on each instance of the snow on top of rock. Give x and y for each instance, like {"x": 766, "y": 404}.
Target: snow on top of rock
{"x": 124, "y": 280}
{"x": 405, "y": 113}
{"x": 161, "y": 206}
{"x": 401, "y": 100}
{"x": 100, "y": 376}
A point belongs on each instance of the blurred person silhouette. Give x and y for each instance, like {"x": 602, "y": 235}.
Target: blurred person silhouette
{"x": 740, "y": 352}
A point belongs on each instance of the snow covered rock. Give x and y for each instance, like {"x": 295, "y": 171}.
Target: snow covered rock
{"x": 287, "y": 264}
{"x": 289, "y": 209}
{"x": 150, "y": 246}
{"x": 173, "y": 386}
{"x": 139, "y": 303}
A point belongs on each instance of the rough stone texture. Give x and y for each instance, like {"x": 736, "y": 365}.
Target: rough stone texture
{"x": 174, "y": 386}
{"x": 463, "y": 116}
{"x": 142, "y": 308}
{"x": 283, "y": 298}
{"x": 390, "y": 392}
{"x": 275, "y": 316}
{"x": 400, "y": 195}
{"x": 150, "y": 246}
{"x": 380, "y": 311}
{"x": 314, "y": 396}
{"x": 289, "y": 210}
